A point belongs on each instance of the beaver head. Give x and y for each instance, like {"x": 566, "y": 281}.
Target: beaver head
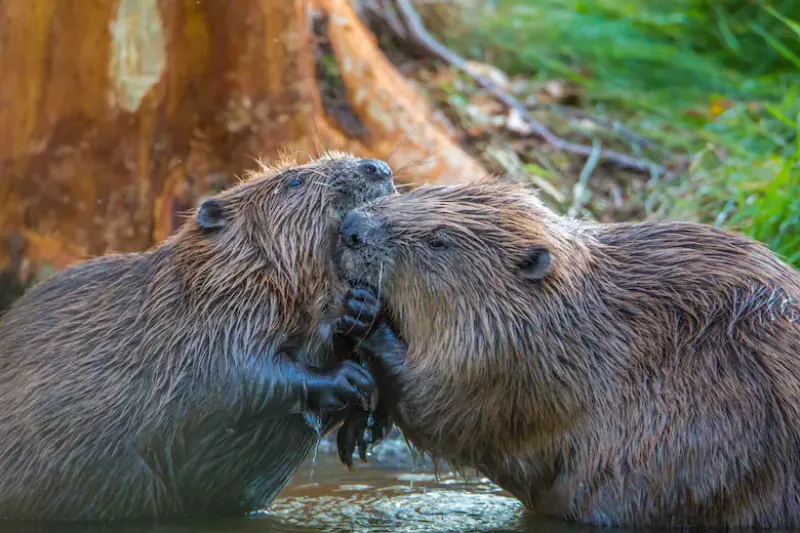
{"x": 461, "y": 271}
{"x": 447, "y": 252}
{"x": 263, "y": 249}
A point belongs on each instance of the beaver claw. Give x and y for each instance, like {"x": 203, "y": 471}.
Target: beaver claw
{"x": 352, "y": 434}
{"x": 361, "y": 313}
{"x": 361, "y": 428}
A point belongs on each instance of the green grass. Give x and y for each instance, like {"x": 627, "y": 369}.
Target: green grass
{"x": 717, "y": 81}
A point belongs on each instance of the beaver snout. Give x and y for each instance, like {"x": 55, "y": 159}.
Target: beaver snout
{"x": 359, "y": 230}
{"x": 353, "y": 230}
{"x": 375, "y": 169}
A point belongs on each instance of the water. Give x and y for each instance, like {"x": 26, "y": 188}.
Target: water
{"x": 389, "y": 493}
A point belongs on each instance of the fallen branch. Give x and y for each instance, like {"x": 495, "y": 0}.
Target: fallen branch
{"x": 625, "y": 132}
{"x": 384, "y": 11}
{"x": 415, "y": 31}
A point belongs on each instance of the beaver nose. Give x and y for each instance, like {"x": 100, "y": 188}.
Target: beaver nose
{"x": 352, "y": 230}
{"x": 375, "y": 169}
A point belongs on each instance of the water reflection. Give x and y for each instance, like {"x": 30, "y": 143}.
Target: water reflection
{"x": 380, "y": 497}
{"x": 390, "y": 493}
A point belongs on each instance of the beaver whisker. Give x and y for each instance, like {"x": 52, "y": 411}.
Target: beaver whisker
{"x": 358, "y": 345}
{"x": 380, "y": 281}
{"x": 416, "y": 163}
{"x": 403, "y": 140}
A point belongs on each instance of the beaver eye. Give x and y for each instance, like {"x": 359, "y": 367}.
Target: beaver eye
{"x": 295, "y": 183}
{"x": 438, "y": 239}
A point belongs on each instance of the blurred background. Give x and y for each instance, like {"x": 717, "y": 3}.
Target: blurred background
{"x": 118, "y": 116}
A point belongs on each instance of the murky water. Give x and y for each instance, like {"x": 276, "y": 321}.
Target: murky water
{"x": 392, "y": 492}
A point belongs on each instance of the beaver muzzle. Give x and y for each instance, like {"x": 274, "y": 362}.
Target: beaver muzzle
{"x": 359, "y": 230}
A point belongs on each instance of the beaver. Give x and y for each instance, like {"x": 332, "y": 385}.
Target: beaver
{"x": 627, "y": 374}
{"x": 185, "y": 379}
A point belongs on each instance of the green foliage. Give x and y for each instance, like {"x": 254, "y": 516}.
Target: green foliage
{"x": 769, "y": 210}
{"x": 719, "y": 81}
{"x": 671, "y": 50}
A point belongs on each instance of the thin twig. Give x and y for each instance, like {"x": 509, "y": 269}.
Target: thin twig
{"x": 583, "y": 180}
{"x": 624, "y": 131}
{"x": 416, "y": 30}
{"x": 511, "y": 163}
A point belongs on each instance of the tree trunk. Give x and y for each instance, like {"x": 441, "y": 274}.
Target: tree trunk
{"x": 116, "y": 116}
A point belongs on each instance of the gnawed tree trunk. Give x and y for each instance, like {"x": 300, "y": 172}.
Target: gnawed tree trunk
{"x": 116, "y": 116}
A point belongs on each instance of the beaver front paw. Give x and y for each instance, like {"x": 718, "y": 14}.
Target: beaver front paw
{"x": 348, "y": 383}
{"x": 360, "y": 429}
{"x": 361, "y": 313}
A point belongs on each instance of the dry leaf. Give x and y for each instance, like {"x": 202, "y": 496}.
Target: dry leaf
{"x": 486, "y": 103}
{"x": 560, "y": 92}
{"x": 488, "y": 71}
{"x": 517, "y": 124}
{"x": 719, "y": 106}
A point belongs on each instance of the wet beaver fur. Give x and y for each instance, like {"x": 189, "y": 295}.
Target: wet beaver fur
{"x": 181, "y": 381}
{"x": 631, "y": 374}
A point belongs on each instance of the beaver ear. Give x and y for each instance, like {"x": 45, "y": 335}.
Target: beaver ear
{"x": 536, "y": 264}
{"x": 211, "y": 215}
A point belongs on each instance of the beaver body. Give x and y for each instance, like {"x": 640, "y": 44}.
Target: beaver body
{"x": 182, "y": 380}
{"x": 609, "y": 374}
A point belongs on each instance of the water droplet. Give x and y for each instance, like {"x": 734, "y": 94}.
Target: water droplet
{"x": 315, "y": 422}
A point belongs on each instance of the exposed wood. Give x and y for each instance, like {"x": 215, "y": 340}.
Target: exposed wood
{"x": 118, "y": 115}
